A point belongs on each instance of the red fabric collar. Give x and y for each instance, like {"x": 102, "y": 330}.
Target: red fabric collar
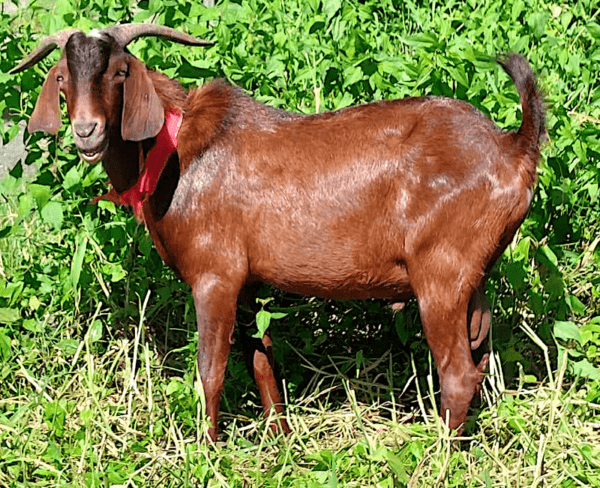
{"x": 166, "y": 144}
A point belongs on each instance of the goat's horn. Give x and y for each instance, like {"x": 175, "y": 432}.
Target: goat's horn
{"x": 126, "y": 33}
{"x": 44, "y": 48}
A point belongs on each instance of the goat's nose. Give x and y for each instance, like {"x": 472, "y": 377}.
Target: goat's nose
{"x": 85, "y": 129}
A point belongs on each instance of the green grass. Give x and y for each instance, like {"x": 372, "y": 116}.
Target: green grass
{"x": 98, "y": 383}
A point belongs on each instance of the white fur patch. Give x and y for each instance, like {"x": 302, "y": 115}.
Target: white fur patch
{"x": 95, "y": 33}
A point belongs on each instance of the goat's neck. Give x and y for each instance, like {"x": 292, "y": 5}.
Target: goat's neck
{"x": 121, "y": 163}
{"x": 122, "y": 160}
{"x": 170, "y": 92}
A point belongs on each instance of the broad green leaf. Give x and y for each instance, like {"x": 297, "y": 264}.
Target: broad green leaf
{"x": 174, "y": 386}
{"x": 575, "y": 304}
{"x": 52, "y": 214}
{"x": 547, "y": 253}
{"x": 521, "y": 252}
{"x": 458, "y": 75}
{"x": 585, "y": 369}
{"x": 594, "y": 29}
{"x": 9, "y": 315}
{"x": 566, "y": 331}
{"x": 422, "y": 40}
{"x": 41, "y": 194}
{"x": 516, "y": 274}
{"x": 331, "y": 7}
{"x": 72, "y": 178}
{"x": 537, "y": 22}
{"x": 69, "y": 346}
{"x": 55, "y": 416}
{"x": 5, "y": 346}
{"x": 117, "y": 273}
{"x": 263, "y": 319}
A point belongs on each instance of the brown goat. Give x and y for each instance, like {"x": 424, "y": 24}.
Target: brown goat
{"x": 414, "y": 197}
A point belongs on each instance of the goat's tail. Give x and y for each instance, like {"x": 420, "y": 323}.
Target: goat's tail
{"x": 533, "y": 125}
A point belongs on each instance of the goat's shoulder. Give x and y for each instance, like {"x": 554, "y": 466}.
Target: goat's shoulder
{"x": 218, "y": 110}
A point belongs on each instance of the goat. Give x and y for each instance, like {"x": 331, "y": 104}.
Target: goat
{"x": 393, "y": 199}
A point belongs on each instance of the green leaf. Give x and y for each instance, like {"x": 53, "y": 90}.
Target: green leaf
{"x": 548, "y": 255}
{"x": 5, "y": 346}
{"x": 263, "y": 319}
{"x": 52, "y": 214}
{"x": 521, "y": 252}
{"x": 173, "y": 386}
{"x": 137, "y": 447}
{"x": 585, "y": 369}
{"x": 331, "y": 7}
{"x": 69, "y": 346}
{"x": 566, "y": 331}
{"x": 72, "y": 178}
{"x": 423, "y": 40}
{"x": 41, "y": 194}
{"x": 9, "y": 315}
{"x": 459, "y": 75}
{"x": 516, "y": 274}
{"x": 575, "y": 304}
{"x": 55, "y": 416}
{"x": 594, "y": 29}
{"x": 95, "y": 332}
{"x": 352, "y": 74}
{"x": 537, "y": 23}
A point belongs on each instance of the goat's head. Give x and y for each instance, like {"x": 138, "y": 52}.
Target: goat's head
{"x": 107, "y": 90}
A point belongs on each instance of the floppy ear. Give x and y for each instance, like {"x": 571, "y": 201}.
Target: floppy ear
{"x": 46, "y": 115}
{"x": 143, "y": 113}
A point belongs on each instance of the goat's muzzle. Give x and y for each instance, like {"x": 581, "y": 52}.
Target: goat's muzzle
{"x": 91, "y": 140}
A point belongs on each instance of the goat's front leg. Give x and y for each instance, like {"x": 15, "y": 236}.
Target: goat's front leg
{"x": 215, "y": 301}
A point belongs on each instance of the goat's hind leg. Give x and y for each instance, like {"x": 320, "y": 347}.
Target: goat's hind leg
{"x": 260, "y": 362}
{"x": 479, "y": 317}
{"x": 444, "y": 318}
{"x": 479, "y": 320}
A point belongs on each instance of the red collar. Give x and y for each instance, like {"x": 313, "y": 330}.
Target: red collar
{"x": 166, "y": 144}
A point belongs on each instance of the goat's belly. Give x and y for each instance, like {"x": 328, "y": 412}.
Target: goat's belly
{"x": 337, "y": 280}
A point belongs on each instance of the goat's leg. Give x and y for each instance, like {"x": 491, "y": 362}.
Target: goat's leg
{"x": 260, "y": 363}
{"x": 479, "y": 317}
{"x": 445, "y": 328}
{"x": 215, "y": 302}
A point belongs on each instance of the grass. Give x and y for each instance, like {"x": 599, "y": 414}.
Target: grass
{"x": 72, "y": 426}
{"x": 98, "y": 382}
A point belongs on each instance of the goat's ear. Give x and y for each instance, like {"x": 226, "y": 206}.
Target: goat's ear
{"x": 143, "y": 113}
{"x": 46, "y": 115}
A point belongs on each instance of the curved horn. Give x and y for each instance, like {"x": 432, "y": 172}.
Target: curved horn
{"x": 43, "y": 49}
{"x": 126, "y": 33}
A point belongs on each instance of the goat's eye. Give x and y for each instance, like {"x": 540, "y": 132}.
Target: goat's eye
{"x": 121, "y": 73}
{"x": 59, "y": 78}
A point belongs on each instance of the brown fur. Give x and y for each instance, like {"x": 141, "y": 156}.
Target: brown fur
{"x": 390, "y": 199}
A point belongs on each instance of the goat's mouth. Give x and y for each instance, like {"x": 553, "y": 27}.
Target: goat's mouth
{"x": 94, "y": 154}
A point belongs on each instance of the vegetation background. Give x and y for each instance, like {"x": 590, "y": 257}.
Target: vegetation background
{"x": 98, "y": 385}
